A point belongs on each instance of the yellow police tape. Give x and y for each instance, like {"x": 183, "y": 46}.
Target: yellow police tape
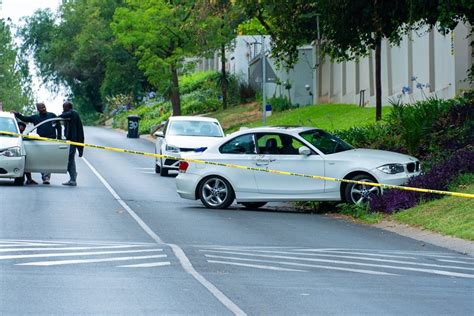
{"x": 387, "y": 186}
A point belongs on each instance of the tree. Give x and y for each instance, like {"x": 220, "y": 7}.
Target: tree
{"x": 160, "y": 33}
{"x": 225, "y": 17}
{"x": 15, "y": 85}
{"x": 77, "y": 49}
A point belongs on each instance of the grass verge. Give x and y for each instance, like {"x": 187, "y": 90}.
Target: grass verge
{"x": 450, "y": 216}
{"x": 325, "y": 116}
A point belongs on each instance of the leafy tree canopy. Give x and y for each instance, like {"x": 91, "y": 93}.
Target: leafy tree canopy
{"x": 15, "y": 84}
{"x": 161, "y": 34}
{"x": 76, "y": 48}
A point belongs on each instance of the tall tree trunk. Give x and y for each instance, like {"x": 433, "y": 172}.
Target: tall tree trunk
{"x": 175, "y": 98}
{"x": 224, "y": 82}
{"x": 378, "y": 79}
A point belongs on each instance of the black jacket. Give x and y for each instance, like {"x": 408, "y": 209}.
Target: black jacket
{"x": 50, "y": 129}
{"x": 74, "y": 131}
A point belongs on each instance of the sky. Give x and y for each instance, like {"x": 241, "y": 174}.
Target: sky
{"x": 15, "y": 9}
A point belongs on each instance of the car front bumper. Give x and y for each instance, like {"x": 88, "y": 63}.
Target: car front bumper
{"x": 394, "y": 179}
{"x": 12, "y": 167}
{"x": 186, "y": 185}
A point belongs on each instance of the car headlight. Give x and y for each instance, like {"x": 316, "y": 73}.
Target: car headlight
{"x": 392, "y": 168}
{"x": 172, "y": 149}
{"x": 11, "y": 152}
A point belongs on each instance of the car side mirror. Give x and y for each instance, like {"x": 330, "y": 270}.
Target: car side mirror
{"x": 159, "y": 134}
{"x": 305, "y": 151}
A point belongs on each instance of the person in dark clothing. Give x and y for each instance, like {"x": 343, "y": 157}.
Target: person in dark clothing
{"x": 73, "y": 131}
{"x": 49, "y": 130}
{"x": 29, "y": 178}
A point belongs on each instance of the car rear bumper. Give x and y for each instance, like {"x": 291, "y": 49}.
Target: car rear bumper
{"x": 186, "y": 184}
{"x": 12, "y": 167}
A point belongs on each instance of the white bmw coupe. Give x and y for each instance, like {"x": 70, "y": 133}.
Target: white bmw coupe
{"x": 302, "y": 150}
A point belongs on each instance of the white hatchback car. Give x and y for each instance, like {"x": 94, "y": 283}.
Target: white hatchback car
{"x": 184, "y": 134}
{"x": 18, "y": 155}
{"x": 302, "y": 150}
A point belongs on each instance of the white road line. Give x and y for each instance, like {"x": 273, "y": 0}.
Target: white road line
{"x": 431, "y": 271}
{"x": 65, "y": 262}
{"x": 257, "y": 266}
{"x": 60, "y": 243}
{"x": 68, "y": 248}
{"x": 302, "y": 252}
{"x": 147, "y": 265}
{"x": 144, "y": 168}
{"x": 369, "y": 254}
{"x": 305, "y": 265}
{"x": 362, "y": 258}
{"x": 72, "y": 254}
{"x": 183, "y": 259}
{"x": 455, "y": 261}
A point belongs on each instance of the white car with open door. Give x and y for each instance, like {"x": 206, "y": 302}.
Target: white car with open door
{"x": 300, "y": 150}
{"x": 18, "y": 155}
{"x": 184, "y": 134}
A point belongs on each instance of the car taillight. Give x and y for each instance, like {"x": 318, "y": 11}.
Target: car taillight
{"x": 183, "y": 166}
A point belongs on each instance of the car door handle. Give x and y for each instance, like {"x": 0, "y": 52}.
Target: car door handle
{"x": 63, "y": 147}
{"x": 264, "y": 162}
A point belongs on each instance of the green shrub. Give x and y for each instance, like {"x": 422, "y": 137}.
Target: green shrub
{"x": 279, "y": 104}
{"x": 414, "y": 122}
{"x": 200, "y": 101}
{"x": 197, "y": 80}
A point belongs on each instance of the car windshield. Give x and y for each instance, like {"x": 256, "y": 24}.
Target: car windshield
{"x": 8, "y": 125}
{"x": 195, "y": 128}
{"x": 325, "y": 142}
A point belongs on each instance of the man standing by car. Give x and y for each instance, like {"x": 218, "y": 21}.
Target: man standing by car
{"x": 74, "y": 132}
{"x": 49, "y": 129}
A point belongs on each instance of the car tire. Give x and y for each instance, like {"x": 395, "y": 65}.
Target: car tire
{"x": 20, "y": 181}
{"x": 163, "y": 172}
{"x": 360, "y": 193}
{"x": 161, "y": 169}
{"x": 253, "y": 205}
{"x": 216, "y": 192}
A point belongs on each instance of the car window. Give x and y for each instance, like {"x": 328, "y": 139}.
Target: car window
{"x": 243, "y": 144}
{"x": 8, "y": 124}
{"x": 194, "y": 128}
{"x": 278, "y": 144}
{"x": 327, "y": 143}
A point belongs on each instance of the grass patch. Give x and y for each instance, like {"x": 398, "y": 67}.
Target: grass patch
{"x": 360, "y": 213}
{"x": 326, "y": 116}
{"x": 452, "y": 216}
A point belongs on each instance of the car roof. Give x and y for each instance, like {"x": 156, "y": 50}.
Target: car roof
{"x": 6, "y": 114}
{"x": 291, "y": 129}
{"x": 192, "y": 118}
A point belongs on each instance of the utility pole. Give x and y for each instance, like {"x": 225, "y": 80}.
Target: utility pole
{"x": 264, "y": 79}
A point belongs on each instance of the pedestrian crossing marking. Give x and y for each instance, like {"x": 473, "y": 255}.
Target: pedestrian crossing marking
{"x": 65, "y": 262}
{"x": 85, "y": 252}
{"x": 366, "y": 261}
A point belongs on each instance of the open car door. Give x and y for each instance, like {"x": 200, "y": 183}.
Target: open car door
{"x": 44, "y": 156}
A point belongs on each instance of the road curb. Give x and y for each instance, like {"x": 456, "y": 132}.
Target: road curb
{"x": 456, "y": 244}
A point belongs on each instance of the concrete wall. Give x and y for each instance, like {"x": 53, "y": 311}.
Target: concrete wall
{"x": 426, "y": 61}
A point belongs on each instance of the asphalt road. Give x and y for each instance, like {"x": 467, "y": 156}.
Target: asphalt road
{"x": 123, "y": 242}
